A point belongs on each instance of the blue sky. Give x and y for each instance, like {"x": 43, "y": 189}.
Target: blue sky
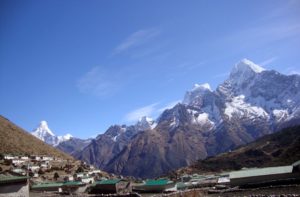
{"x": 85, "y": 65}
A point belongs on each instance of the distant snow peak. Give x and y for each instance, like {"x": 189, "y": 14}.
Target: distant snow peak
{"x": 204, "y": 86}
{"x": 145, "y": 123}
{"x": 43, "y": 128}
{"x": 194, "y": 96}
{"x": 245, "y": 64}
{"x": 44, "y": 133}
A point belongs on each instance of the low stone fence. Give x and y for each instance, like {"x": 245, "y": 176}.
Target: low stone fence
{"x": 185, "y": 193}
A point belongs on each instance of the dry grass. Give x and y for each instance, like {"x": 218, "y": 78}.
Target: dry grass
{"x": 15, "y": 140}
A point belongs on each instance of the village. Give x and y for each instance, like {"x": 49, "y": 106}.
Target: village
{"x": 43, "y": 175}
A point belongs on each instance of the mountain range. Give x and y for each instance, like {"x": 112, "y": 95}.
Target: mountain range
{"x": 44, "y": 133}
{"x": 251, "y": 103}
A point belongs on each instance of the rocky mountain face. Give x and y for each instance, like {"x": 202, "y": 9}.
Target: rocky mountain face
{"x": 43, "y": 133}
{"x": 277, "y": 149}
{"x": 73, "y": 145}
{"x": 251, "y": 103}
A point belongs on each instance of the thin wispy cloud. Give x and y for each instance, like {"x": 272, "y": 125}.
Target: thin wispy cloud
{"x": 96, "y": 82}
{"x": 168, "y": 106}
{"x": 152, "y": 111}
{"x": 257, "y": 36}
{"x": 268, "y": 61}
{"x": 292, "y": 71}
{"x": 136, "y": 114}
{"x": 136, "y": 39}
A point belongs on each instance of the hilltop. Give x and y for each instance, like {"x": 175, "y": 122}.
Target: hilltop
{"x": 15, "y": 140}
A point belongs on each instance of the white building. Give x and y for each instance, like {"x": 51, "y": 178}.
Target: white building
{"x": 17, "y": 161}
{"x": 47, "y": 158}
{"x": 24, "y": 158}
{"x": 87, "y": 179}
{"x": 9, "y": 157}
{"x": 34, "y": 168}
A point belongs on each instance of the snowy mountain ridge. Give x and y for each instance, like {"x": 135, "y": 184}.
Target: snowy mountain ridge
{"x": 44, "y": 133}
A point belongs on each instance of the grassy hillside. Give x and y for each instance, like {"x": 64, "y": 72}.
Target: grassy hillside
{"x": 14, "y": 140}
{"x": 280, "y": 148}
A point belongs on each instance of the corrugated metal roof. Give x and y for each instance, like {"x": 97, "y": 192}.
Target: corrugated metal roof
{"x": 108, "y": 182}
{"x": 6, "y": 179}
{"x": 261, "y": 172}
{"x": 47, "y": 185}
{"x": 73, "y": 183}
{"x": 158, "y": 182}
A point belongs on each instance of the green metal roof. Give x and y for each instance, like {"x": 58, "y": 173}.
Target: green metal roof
{"x": 72, "y": 183}
{"x": 108, "y": 182}
{"x": 57, "y": 184}
{"x": 261, "y": 172}
{"x": 5, "y": 179}
{"x": 47, "y": 185}
{"x": 157, "y": 182}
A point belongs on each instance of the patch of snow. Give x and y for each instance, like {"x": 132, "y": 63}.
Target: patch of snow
{"x": 280, "y": 114}
{"x": 204, "y": 86}
{"x": 115, "y": 137}
{"x": 247, "y": 63}
{"x": 174, "y": 123}
{"x": 240, "y": 108}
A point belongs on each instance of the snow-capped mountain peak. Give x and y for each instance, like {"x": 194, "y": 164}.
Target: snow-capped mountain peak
{"x": 44, "y": 133}
{"x": 42, "y": 130}
{"x": 246, "y": 64}
{"x": 195, "y": 96}
{"x": 145, "y": 123}
{"x": 66, "y": 137}
{"x": 202, "y": 87}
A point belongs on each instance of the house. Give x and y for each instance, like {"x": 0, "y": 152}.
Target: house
{"x": 47, "y": 187}
{"x": 94, "y": 172}
{"x": 34, "y": 168}
{"x": 87, "y": 179}
{"x": 17, "y": 161}
{"x": 267, "y": 175}
{"x": 19, "y": 171}
{"x": 156, "y": 186}
{"x": 14, "y": 186}
{"x": 69, "y": 178}
{"x": 9, "y": 157}
{"x": 47, "y": 158}
{"x": 111, "y": 186}
{"x": 73, "y": 187}
{"x": 24, "y": 158}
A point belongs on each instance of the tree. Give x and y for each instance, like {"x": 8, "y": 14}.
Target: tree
{"x": 79, "y": 169}
{"x": 41, "y": 171}
{"x": 56, "y": 176}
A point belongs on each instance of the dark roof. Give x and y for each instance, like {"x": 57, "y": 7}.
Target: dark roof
{"x": 12, "y": 179}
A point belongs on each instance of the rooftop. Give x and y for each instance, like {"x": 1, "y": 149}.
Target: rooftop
{"x": 261, "y": 172}
{"x": 157, "y": 182}
{"x": 10, "y": 179}
{"x": 108, "y": 182}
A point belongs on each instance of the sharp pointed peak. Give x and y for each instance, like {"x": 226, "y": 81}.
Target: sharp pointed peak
{"x": 246, "y": 64}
